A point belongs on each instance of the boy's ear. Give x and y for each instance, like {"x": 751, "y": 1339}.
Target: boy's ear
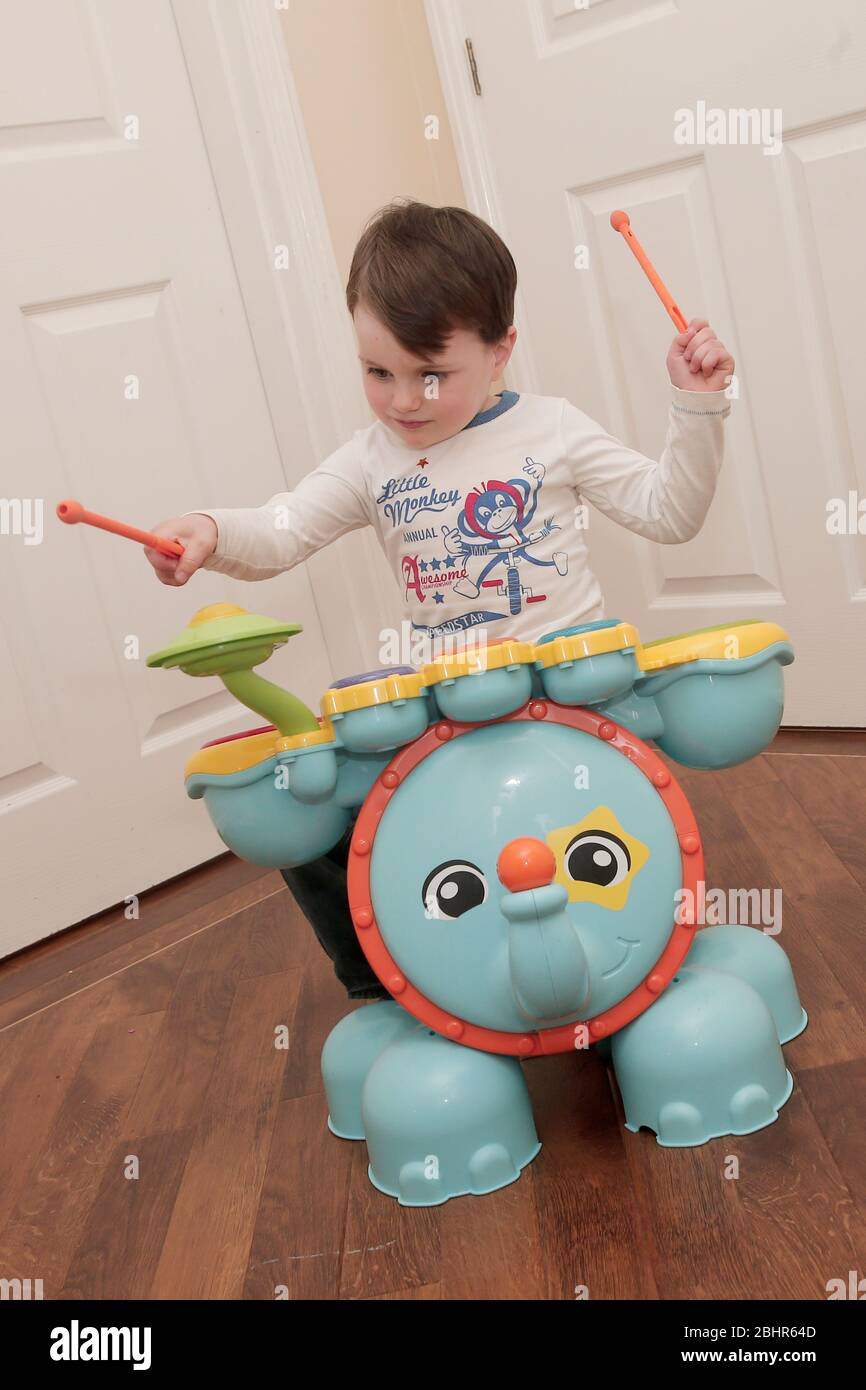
{"x": 505, "y": 348}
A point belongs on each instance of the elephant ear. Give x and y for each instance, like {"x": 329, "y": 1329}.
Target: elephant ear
{"x": 719, "y": 712}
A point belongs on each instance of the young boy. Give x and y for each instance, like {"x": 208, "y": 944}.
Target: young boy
{"x": 473, "y": 496}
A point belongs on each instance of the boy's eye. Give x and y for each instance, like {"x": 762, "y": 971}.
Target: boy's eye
{"x": 380, "y": 372}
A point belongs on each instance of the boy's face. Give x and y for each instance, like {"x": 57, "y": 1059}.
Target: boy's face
{"x": 442, "y": 395}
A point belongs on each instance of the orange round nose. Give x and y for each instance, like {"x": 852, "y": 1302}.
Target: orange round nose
{"x": 526, "y": 863}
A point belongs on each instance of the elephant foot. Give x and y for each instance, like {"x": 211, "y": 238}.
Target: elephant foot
{"x": 445, "y": 1121}
{"x": 350, "y": 1050}
{"x": 685, "y": 1126}
{"x": 702, "y": 1062}
{"x": 759, "y": 959}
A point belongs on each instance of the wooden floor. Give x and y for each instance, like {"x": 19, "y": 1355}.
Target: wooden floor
{"x": 151, "y": 1041}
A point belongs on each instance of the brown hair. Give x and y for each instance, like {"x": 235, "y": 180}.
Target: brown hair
{"x": 424, "y": 271}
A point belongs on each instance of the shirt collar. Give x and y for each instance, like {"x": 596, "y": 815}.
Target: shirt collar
{"x": 506, "y": 400}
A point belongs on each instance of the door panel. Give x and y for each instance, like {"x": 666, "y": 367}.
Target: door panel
{"x": 128, "y": 379}
{"x": 578, "y": 116}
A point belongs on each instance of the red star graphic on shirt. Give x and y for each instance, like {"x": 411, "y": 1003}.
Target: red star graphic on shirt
{"x": 422, "y": 463}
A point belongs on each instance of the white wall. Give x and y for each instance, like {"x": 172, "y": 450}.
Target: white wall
{"x": 367, "y": 85}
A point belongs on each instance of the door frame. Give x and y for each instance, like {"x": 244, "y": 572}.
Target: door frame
{"x": 448, "y": 31}
{"x": 241, "y": 79}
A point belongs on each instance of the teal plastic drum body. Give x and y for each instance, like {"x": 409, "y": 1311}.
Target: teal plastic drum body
{"x": 378, "y": 711}
{"x": 484, "y": 694}
{"x": 589, "y": 680}
{"x": 716, "y": 714}
{"x": 487, "y": 680}
{"x": 521, "y": 877}
{"x": 261, "y": 818}
{"x": 289, "y": 808}
{"x": 381, "y": 728}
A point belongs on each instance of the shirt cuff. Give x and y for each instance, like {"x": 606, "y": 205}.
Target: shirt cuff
{"x": 218, "y": 552}
{"x": 700, "y": 402}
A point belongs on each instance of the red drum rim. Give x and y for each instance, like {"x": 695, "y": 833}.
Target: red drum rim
{"x": 561, "y": 1038}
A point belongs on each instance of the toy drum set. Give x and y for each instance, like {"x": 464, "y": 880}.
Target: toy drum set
{"x": 522, "y": 876}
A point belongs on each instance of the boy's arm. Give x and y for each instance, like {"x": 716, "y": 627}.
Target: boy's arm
{"x": 665, "y": 500}
{"x": 260, "y": 542}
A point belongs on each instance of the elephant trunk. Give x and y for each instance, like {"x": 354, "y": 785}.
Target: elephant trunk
{"x": 548, "y": 965}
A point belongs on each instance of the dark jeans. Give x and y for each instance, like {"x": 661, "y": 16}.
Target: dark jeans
{"x": 319, "y": 888}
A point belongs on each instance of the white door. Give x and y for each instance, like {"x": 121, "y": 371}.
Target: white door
{"x": 129, "y": 380}
{"x": 576, "y": 117}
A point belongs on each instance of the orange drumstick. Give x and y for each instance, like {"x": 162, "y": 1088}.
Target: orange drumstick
{"x": 71, "y": 512}
{"x": 620, "y": 223}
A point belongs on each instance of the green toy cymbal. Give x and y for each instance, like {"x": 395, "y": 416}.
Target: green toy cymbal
{"x": 226, "y": 641}
{"x": 222, "y": 638}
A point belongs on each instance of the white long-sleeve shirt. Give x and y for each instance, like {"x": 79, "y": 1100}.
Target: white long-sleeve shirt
{"x": 487, "y": 528}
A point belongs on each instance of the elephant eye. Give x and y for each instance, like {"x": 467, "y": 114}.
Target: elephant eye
{"x": 452, "y": 888}
{"x": 597, "y": 856}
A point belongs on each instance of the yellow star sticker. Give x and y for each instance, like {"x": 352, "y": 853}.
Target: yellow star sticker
{"x": 606, "y": 854}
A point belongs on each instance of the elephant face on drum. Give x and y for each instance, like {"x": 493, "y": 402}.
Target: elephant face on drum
{"x": 511, "y": 958}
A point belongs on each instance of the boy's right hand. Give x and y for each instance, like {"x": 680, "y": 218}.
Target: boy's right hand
{"x": 197, "y": 534}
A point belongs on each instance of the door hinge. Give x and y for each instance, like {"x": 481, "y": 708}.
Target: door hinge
{"x": 473, "y": 67}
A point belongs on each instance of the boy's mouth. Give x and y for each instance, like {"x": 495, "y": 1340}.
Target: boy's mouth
{"x": 412, "y": 424}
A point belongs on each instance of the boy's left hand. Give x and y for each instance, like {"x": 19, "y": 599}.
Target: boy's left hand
{"x": 698, "y": 361}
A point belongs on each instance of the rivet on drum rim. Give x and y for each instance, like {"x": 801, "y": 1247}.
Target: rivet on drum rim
{"x": 606, "y": 730}
{"x": 363, "y": 917}
{"x": 662, "y": 778}
{"x": 361, "y": 846}
{"x": 597, "y": 1028}
{"x": 454, "y": 1028}
{"x": 443, "y": 731}
{"x": 525, "y": 1045}
{"x": 538, "y": 709}
{"x": 390, "y": 779}
{"x": 655, "y": 984}
{"x": 396, "y": 984}
{"x": 689, "y": 844}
